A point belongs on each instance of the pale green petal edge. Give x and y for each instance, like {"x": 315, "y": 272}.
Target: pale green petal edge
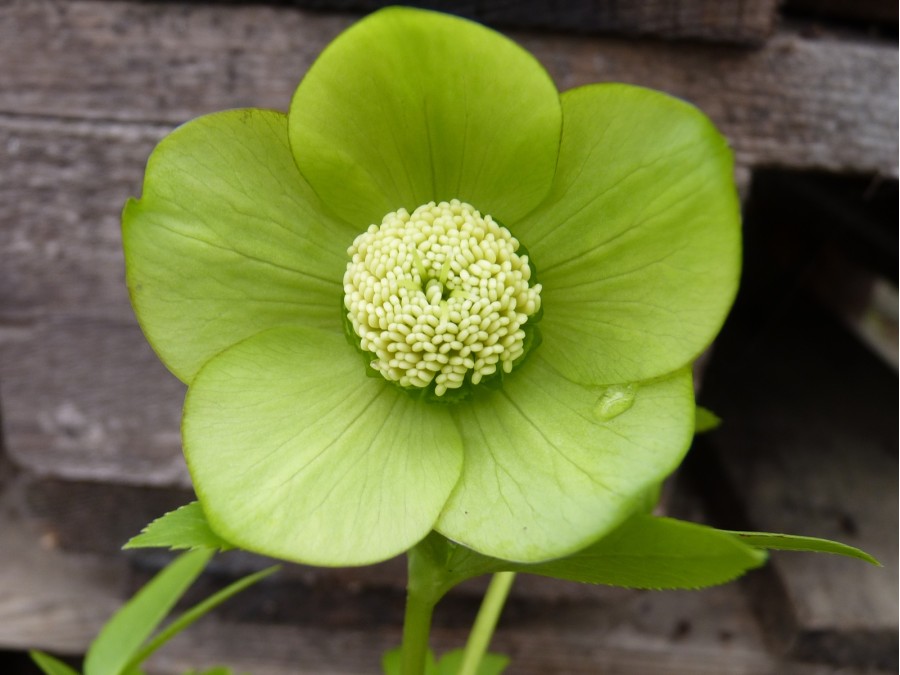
{"x": 296, "y": 454}
{"x": 410, "y": 106}
{"x": 228, "y": 240}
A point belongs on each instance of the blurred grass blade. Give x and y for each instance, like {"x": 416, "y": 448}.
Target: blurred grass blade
{"x": 196, "y": 612}
{"x": 50, "y": 665}
{"x": 123, "y": 634}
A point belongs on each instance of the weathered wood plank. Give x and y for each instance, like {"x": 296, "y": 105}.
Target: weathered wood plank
{"x": 47, "y": 599}
{"x": 64, "y": 185}
{"x": 89, "y": 399}
{"x": 798, "y": 102}
{"x": 735, "y": 21}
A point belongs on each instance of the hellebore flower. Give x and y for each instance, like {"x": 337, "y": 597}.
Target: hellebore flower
{"x": 521, "y": 403}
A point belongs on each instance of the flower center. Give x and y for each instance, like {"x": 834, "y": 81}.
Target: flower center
{"x": 440, "y": 297}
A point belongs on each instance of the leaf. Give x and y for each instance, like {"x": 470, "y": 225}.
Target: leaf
{"x": 50, "y": 665}
{"x": 705, "y": 420}
{"x": 792, "y": 542}
{"x": 392, "y": 662}
{"x": 123, "y": 634}
{"x": 186, "y": 527}
{"x": 655, "y": 553}
{"x": 198, "y": 611}
{"x": 491, "y": 664}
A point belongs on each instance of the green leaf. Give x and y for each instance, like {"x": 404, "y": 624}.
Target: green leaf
{"x": 228, "y": 240}
{"x": 195, "y": 613}
{"x": 296, "y": 454}
{"x": 449, "y": 664}
{"x": 491, "y": 664}
{"x": 792, "y": 542}
{"x": 706, "y": 420}
{"x": 186, "y": 527}
{"x": 638, "y": 245}
{"x": 50, "y": 665}
{"x": 409, "y": 106}
{"x": 655, "y": 553}
{"x": 123, "y": 634}
{"x": 551, "y": 465}
{"x": 392, "y": 662}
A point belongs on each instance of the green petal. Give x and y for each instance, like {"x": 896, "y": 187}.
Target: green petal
{"x": 638, "y": 243}
{"x": 551, "y": 465}
{"x": 409, "y": 106}
{"x": 228, "y": 240}
{"x": 296, "y": 454}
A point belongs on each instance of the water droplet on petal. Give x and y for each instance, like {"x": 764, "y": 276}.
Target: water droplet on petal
{"x": 614, "y": 401}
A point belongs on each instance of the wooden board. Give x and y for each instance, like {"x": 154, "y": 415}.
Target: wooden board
{"x": 88, "y": 399}
{"x": 736, "y": 21}
{"x": 799, "y": 102}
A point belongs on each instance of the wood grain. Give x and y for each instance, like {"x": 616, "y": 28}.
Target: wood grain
{"x": 800, "y": 102}
{"x": 85, "y": 398}
{"x": 734, "y": 21}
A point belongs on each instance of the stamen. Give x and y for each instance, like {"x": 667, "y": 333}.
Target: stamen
{"x": 439, "y": 296}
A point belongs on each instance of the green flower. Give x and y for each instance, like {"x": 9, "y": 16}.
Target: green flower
{"x": 248, "y": 270}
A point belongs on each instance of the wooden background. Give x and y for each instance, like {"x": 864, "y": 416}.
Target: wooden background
{"x": 806, "y": 92}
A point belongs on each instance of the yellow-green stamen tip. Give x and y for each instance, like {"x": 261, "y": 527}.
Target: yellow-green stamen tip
{"x": 439, "y": 295}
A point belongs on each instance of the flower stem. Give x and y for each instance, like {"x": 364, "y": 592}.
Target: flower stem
{"x": 416, "y": 627}
{"x": 426, "y": 584}
{"x": 486, "y": 621}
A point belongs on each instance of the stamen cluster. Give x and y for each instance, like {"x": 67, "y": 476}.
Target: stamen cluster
{"x": 439, "y": 295}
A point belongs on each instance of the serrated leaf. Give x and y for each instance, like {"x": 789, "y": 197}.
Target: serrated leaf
{"x": 792, "y": 542}
{"x": 123, "y": 634}
{"x": 184, "y": 528}
{"x": 491, "y": 664}
{"x": 50, "y": 665}
{"x": 705, "y": 420}
{"x": 655, "y": 553}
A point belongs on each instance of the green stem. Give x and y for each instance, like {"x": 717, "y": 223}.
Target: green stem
{"x": 416, "y": 628}
{"x": 486, "y": 621}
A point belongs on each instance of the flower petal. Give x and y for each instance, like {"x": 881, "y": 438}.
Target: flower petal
{"x": 638, "y": 244}
{"x": 228, "y": 240}
{"x": 409, "y": 106}
{"x": 296, "y": 454}
{"x": 551, "y": 465}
